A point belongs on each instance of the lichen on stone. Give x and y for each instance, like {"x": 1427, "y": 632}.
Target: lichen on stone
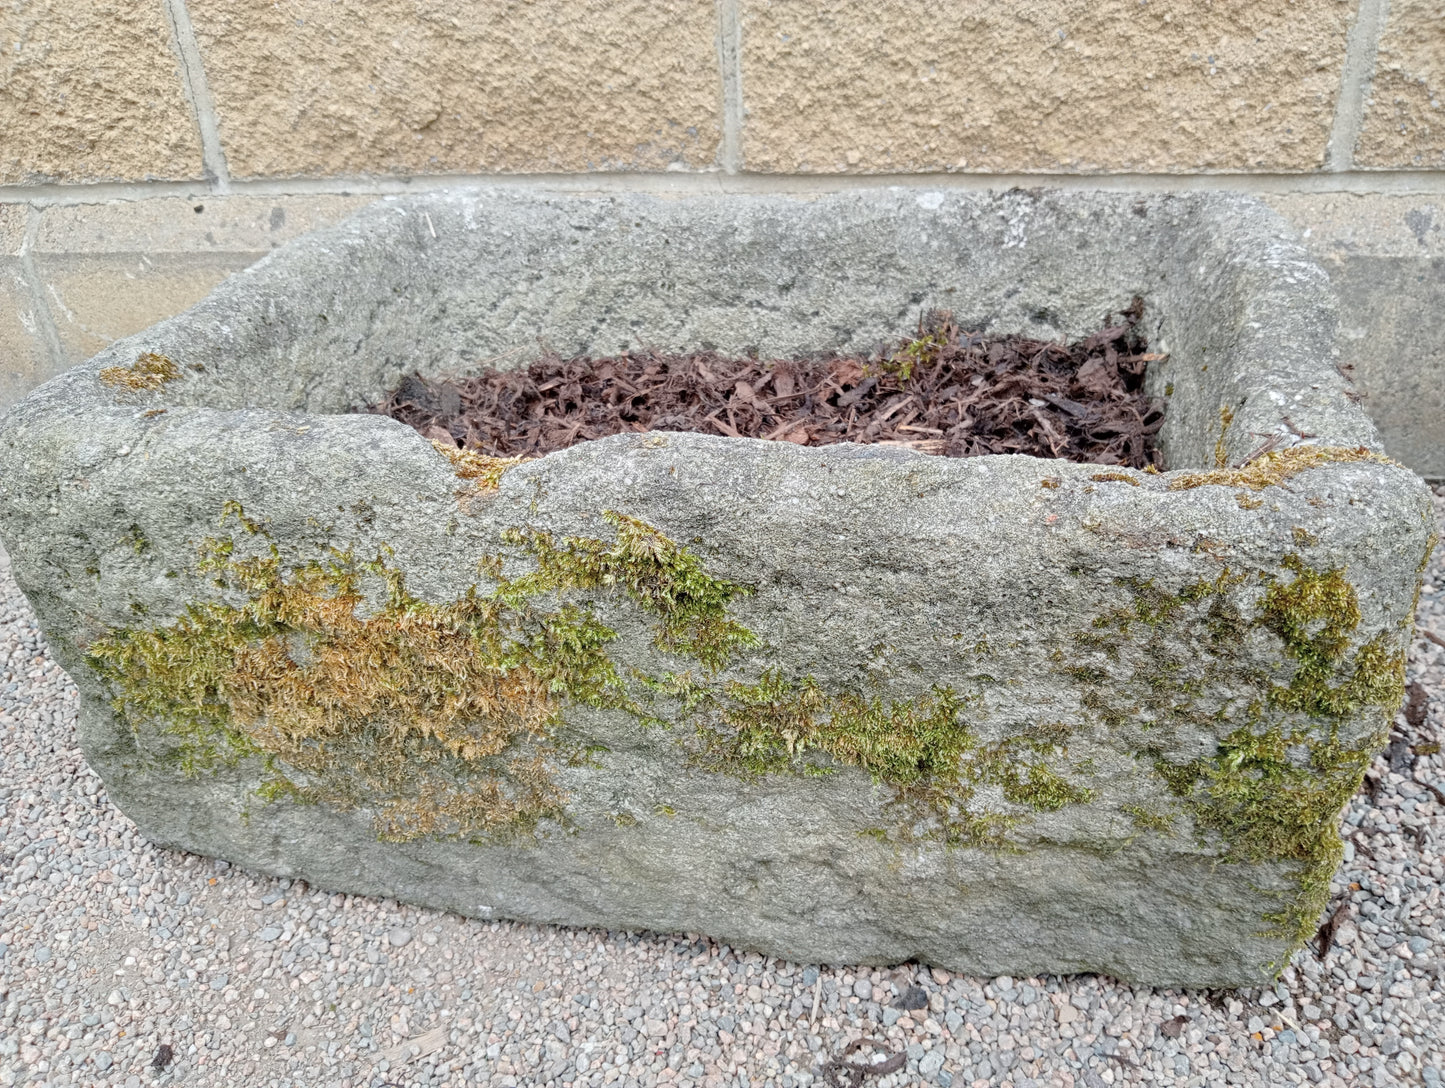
{"x": 149, "y": 371}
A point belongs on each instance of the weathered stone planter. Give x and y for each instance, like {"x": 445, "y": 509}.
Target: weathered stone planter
{"x": 841, "y": 704}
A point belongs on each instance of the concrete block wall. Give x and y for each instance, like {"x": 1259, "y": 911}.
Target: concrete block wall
{"x": 149, "y": 148}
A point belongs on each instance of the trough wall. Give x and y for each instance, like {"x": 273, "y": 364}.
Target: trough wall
{"x": 149, "y": 148}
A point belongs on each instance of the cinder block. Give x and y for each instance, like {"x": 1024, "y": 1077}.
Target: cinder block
{"x": 24, "y": 361}
{"x": 202, "y": 224}
{"x": 420, "y": 86}
{"x": 1072, "y": 85}
{"x": 91, "y": 90}
{"x": 109, "y": 270}
{"x": 1386, "y": 260}
{"x": 1405, "y": 117}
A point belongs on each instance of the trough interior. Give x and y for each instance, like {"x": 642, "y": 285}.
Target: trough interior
{"x": 449, "y": 284}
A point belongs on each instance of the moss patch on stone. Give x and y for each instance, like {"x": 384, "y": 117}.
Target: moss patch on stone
{"x": 1275, "y": 467}
{"x": 485, "y": 472}
{"x": 922, "y": 748}
{"x": 449, "y": 719}
{"x": 666, "y": 579}
{"x": 1315, "y": 614}
{"x": 443, "y": 718}
{"x": 149, "y": 371}
{"x": 1221, "y": 450}
{"x": 1275, "y": 796}
{"x": 1274, "y": 788}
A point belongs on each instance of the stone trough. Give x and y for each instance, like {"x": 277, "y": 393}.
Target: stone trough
{"x": 842, "y": 704}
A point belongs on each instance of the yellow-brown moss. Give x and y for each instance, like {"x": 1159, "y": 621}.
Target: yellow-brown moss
{"x": 442, "y": 718}
{"x": 149, "y": 371}
{"x": 1221, "y": 449}
{"x": 485, "y": 471}
{"x": 1275, "y": 467}
{"x": 1116, "y": 477}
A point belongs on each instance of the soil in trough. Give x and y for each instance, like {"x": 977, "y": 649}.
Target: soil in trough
{"x": 946, "y": 391}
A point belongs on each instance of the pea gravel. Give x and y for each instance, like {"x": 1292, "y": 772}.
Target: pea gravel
{"x": 111, "y": 948}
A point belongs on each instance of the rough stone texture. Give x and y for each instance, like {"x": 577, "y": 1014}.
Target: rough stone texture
{"x": 113, "y": 269}
{"x": 1404, "y": 122}
{"x": 90, "y": 92}
{"x": 875, "y": 571}
{"x": 401, "y": 87}
{"x": 1386, "y": 259}
{"x": 1057, "y": 85}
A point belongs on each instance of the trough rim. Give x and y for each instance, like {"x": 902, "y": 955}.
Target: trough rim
{"x": 1286, "y": 266}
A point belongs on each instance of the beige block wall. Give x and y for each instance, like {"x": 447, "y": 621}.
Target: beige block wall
{"x": 1056, "y": 85}
{"x": 313, "y": 87}
{"x": 131, "y": 90}
{"x": 92, "y": 90}
{"x": 1405, "y": 118}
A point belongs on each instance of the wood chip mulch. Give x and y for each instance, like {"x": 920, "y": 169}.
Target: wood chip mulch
{"x": 946, "y": 391}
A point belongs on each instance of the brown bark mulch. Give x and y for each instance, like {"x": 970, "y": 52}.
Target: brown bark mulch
{"x": 946, "y": 391}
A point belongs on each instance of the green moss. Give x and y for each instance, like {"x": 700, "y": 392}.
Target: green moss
{"x": 1274, "y": 788}
{"x": 919, "y": 352}
{"x": 1146, "y": 820}
{"x": 663, "y": 577}
{"x": 1267, "y": 804}
{"x": 921, "y": 748}
{"x": 1315, "y": 614}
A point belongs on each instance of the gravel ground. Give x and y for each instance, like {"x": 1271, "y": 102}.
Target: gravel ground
{"x": 116, "y": 956}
